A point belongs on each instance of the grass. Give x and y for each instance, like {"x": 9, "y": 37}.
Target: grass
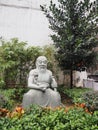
{"x": 74, "y": 95}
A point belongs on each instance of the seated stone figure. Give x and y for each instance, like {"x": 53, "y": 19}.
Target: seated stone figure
{"x": 43, "y": 87}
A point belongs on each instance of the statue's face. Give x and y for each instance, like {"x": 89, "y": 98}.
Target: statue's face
{"x": 42, "y": 63}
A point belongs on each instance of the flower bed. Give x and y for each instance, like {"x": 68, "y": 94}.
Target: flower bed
{"x": 36, "y": 118}
{"x": 75, "y": 117}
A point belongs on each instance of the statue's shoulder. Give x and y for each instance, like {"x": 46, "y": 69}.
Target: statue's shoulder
{"x": 49, "y": 72}
{"x": 33, "y": 71}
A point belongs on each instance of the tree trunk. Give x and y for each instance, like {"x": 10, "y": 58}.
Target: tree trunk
{"x": 71, "y": 79}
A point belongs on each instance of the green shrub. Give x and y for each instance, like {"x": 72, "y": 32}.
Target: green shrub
{"x": 13, "y": 96}
{"x": 14, "y": 72}
{"x": 18, "y": 93}
{"x": 7, "y": 93}
{"x": 76, "y": 94}
{"x": 37, "y": 118}
{"x": 3, "y": 101}
{"x": 2, "y": 84}
{"x": 91, "y": 100}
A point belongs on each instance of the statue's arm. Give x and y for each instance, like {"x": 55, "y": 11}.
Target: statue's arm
{"x": 53, "y": 82}
{"x": 31, "y": 83}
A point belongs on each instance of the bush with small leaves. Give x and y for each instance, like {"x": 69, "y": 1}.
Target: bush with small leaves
{"x": 36, "y": 118}
{"x": 91, "y": 100}
{"x": 3, "y": 101}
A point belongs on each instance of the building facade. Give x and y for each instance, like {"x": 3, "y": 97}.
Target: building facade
{"x": 25, "y": 20}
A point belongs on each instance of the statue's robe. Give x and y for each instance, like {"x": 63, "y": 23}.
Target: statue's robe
{"x": 49, "y": 98}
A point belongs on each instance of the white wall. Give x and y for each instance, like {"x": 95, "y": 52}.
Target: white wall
{"x": 24, "y": 19}
{"x": 28, "y": 24}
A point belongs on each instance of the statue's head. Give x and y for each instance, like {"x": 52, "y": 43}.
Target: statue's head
{"x": 41, "y": 63}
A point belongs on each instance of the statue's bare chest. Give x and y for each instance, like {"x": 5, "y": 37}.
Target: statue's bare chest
{"x": 44, "y": 77}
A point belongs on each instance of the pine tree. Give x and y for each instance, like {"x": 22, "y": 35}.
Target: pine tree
{"x": 75, "y": 27}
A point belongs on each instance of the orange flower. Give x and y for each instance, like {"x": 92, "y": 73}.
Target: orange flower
{"x": 57, "y": 108}
{"x": 68, "y": 108}
{"x": 14, "y": 114}
{"x": 19, "y": 110}
{"x": 82, "y": 105}
{"x": 86, "y": 110}
{"x": 77, "y": 104}
{"x": 54, "y": 109}
{"x": 47, "y": 108}
{"x": 3, "y": 112}
{"x": 9, "y": 114}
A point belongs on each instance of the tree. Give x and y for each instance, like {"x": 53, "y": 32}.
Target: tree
{"x": 74, "y": 24}
{"x": 49, "y": 52}
{"x": 16, "y": 60}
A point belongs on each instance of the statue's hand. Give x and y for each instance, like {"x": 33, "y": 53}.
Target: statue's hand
{"x": 55, "y": 89}
{"x": 44, "y": 89}
{"x": 44, "y": 86}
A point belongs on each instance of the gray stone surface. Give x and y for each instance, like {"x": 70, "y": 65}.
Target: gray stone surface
{"x": 43, "y": 87}
{"x": 90, "y": 83}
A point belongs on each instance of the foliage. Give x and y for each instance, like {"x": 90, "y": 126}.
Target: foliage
{"x": 16, "y": 61}
{"x": 91, "y": 100}
{"x": 76, "y": 94}
{"x": 17, "y": 94}
{"x": 2, "y": 83}
{"x": 3, "y": 101}
{"x": 12, "y": 96}
{"x": 37, "y": 118}
{"x": 9, "y": 103}
{"x": 60, "y": 118}
{"x": 49, "y": 52}
{"x": 74, "y": 24}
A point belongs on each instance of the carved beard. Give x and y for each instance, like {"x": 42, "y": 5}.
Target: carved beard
{"x": 42, "y": 69}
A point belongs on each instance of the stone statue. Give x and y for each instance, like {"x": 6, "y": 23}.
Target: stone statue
{"x": 43, "y": 87}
